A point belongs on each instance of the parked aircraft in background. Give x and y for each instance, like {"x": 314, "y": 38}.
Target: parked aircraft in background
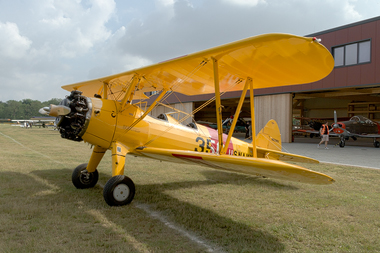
{"x": 35, "y": 122}
{"x": 357, "y": 127}
{"x": 313, "y": 125}
{"x": 110, "y": 120}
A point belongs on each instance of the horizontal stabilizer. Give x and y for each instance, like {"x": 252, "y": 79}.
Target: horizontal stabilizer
{"x": 245, "y": 165}
{"x": 283, "y": 156}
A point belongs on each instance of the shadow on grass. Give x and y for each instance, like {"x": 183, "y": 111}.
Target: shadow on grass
{"x": 53, "y": 188}
{"x": 239, "y": 179}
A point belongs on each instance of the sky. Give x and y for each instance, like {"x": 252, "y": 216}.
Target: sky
{"x": 45, "y": 44}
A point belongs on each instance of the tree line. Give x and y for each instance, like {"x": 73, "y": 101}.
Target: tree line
{"x": 24, "y": 109}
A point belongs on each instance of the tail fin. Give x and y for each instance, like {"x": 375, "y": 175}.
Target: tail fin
{"x": 269, "y": 137}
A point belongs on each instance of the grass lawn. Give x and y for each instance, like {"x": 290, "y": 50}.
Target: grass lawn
{"x": 177, "y": 208}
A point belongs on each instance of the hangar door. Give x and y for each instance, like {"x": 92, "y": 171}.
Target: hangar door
{"x": 277, "y": 107}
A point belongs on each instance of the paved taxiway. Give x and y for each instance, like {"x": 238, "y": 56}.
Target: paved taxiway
{"x": 363, "y": 155}
{"x": 359, "y": 153}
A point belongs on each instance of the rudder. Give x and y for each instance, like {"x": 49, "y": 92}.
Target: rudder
{"x": 269, "y": 137}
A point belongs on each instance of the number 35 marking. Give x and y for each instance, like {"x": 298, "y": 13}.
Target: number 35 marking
{"x": 201, "y": 142}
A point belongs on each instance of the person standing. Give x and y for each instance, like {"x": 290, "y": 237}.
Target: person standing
{"x": 247, "y": 134}
{"x": 324, "y": 131}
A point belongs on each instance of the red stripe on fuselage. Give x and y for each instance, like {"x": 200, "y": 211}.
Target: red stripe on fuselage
{"x": 187, "y": 156}
{"x": 215, "y": 141}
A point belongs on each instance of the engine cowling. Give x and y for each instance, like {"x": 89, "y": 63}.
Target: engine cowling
{"x": 73, "y": 125}
{"x": 90, "y": 119}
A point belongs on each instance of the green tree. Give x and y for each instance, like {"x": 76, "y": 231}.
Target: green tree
{"x": 24, "y": 109}
{"x": 13, "y": 109}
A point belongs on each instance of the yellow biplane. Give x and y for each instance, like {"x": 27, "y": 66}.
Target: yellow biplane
{"x": 104, "y": 112}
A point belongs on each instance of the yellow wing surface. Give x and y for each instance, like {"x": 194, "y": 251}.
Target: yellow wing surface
{"x": 270, "y": 60}
{"x": 246, "y": 165}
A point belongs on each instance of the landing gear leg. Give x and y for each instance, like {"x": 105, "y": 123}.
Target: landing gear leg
{"x": 85, "y": 175}
{"x": 120, "y": 189}
{"x": 82, "y": 179}
{"x": 342, "y": 142}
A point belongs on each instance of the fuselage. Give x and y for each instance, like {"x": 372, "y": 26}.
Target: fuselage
{"x": 358, "y": 125}
{"x": 107, "y": 122}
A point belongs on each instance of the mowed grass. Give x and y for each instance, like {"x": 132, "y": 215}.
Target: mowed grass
{"x": 177, "y": 208}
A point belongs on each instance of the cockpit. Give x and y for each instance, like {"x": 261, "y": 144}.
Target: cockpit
{"x": 362, "y": 120}
{"x": 170, "y": 119}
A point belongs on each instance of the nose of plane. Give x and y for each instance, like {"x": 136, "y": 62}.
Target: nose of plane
{"x": 339, "y": 127}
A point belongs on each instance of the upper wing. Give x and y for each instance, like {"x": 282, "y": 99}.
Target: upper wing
{"x": 270, "y": 60}
{"x": 246, "y": 165}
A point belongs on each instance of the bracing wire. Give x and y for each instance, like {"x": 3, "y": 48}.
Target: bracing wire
{"x": 192, "y": 113}
{"x": 168, "y": 93}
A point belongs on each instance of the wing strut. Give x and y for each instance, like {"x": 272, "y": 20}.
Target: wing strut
{"x": 105, "y": 90}
{"x": 236, "y": 116}
{"x": 128, "y": 95}
{"x": 163, "y": 92}
{"x": 253, "y": 127}
{"x": 218, "y": 105}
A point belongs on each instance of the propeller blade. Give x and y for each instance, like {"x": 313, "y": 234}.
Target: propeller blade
{"x": 335, "y": 125}
{"x": 55, "y": 110}
{"x": 59, "y": 110}
{"x": 44, "y": 110}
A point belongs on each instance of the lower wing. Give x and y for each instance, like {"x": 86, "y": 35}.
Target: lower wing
{"x": 367, "y": 135}
{"x": 245, "y": 165}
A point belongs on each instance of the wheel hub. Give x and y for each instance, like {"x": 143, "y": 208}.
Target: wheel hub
{"x": 85, "y": 177}
{"x": 121, "y": 192}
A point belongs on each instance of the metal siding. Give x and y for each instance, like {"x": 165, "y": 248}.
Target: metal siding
{"x": 376, "y": 53}
{"x": 277, "y": 107}
{"x": 355, "y": 33}
{"x": 353, "y": 75}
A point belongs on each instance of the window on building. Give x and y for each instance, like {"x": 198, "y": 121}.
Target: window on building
{"x": 351, "y": 54}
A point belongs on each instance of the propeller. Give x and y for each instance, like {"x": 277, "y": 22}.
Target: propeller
{"x": 44, "y": 110}
{"x": 335, "y": 125}
{"x": 55, "y": 110}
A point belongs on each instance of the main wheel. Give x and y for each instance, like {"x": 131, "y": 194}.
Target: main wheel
{"x": 82, "y": 179}
{"x": 376, "y": 144}
{"x": 342, "y": 143}
{"x": 119, "y": 191}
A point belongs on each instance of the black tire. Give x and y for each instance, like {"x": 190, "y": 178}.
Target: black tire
{"x": 82, "y": 179}
{"x": 342, "y": 144}
{"x": 119, "y": 191}
{"x": 376, "y": 144}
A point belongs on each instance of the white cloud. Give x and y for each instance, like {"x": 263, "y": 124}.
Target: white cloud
{"x": 12, "y": 44}
{"x": 74, "y": 28}
{"x": 350, "y": 12}
{"x": 249, "y": 3}
{"x": 47, "y": 43}
{"x": 165, "y": 2}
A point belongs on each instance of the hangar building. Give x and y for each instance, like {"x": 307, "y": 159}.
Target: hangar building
{"x": 352, "y": 88}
